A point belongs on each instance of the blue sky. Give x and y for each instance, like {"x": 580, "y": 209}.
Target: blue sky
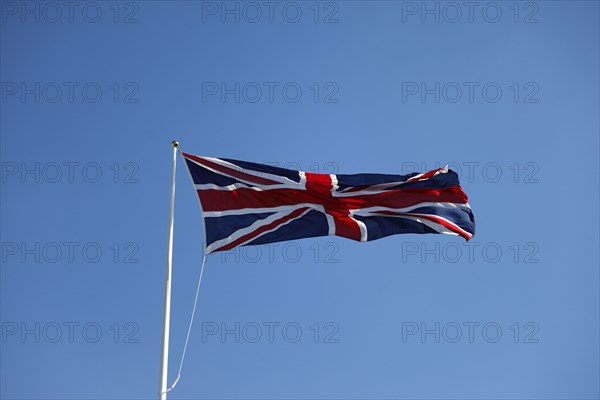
{"x": 93, "y": 94}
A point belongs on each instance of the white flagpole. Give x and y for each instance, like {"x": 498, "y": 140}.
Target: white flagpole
{"x": 164, "y": 363}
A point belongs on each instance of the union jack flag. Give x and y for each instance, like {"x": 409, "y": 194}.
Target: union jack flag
{"x": 246, "y": 203}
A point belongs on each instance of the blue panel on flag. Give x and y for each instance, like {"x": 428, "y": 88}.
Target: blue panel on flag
{"x": 218, "y": 228}
{"x": 201, "y": 175}
{"x": 380, "y": 227}
{"x": 267, "y": 170}
{"x": 313, "y": 224}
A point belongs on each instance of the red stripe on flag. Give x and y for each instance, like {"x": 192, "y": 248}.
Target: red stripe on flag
{"x": 318, "y": 183}
{"x": 222, "y": 200}
{"x": 345, "y": 226}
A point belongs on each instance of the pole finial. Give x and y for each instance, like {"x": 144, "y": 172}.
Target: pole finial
{"x": 175, "y": 143}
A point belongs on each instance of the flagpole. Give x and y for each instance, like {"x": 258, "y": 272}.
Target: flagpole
{"x": 164, "y": 363}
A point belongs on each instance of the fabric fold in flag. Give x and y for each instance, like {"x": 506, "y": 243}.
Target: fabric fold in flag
{"x": 245, "y": 203}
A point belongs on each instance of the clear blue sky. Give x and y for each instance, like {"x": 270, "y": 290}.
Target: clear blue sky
{"x": 516, "y": 115}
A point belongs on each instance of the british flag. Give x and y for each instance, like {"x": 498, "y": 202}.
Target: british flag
{"x": 246, "y": 203}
